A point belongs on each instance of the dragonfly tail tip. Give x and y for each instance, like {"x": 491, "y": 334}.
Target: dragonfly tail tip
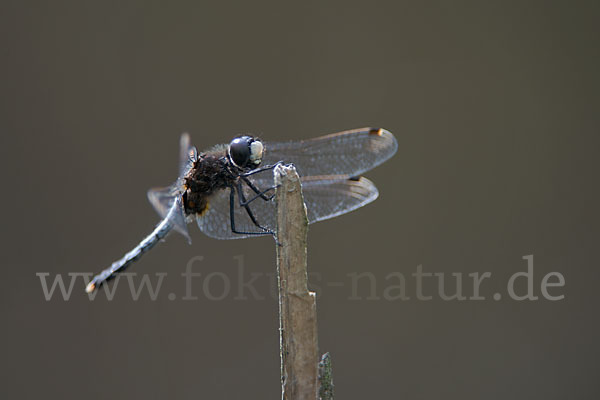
{"x": 90, "y": 287}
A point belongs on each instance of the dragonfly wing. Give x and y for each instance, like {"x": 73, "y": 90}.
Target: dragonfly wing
{"x": 325, "y": 197}
{"x": 347, "y": 153}
{"x": 329, "y": 196}
{"x": 187, "y": 154}
{"x": 162, "y": 199}
{"x": 216, "y": 222}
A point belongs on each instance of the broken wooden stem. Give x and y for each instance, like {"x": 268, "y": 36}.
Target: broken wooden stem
{"x": 297, "y": 306}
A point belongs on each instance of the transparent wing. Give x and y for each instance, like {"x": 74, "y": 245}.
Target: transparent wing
{"x": 328, "y": 197}
{"x": 215, "y": 221}
{"x": 187, "y": 154}
{"x": 162, "y": 199}
{"x": 325, "y": 197}
{"x": 347, "y": 153}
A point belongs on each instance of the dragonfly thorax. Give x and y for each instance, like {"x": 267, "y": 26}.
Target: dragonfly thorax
{"x": 211, "y": 172}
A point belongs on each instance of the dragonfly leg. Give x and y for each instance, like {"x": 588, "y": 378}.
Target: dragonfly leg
{"x": 244, "y": 203}
{"x": 262, "y": 169}
{"x": 258, "y": 192}
{"x": 247, "y": 208}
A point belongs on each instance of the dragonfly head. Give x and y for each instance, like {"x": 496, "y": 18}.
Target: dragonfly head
{"x": 245, "y": 152}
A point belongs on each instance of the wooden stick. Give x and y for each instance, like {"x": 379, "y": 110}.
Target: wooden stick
{"x": 325, "y": 378}
{"x": 297, "y": 306}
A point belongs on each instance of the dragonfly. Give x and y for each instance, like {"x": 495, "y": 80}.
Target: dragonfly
{"x": 228, "y": 190}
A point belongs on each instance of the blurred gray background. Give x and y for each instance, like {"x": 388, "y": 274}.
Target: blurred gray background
{"x": 495, "y": 106}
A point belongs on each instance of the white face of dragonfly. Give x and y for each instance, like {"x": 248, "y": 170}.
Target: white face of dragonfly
{"x": 256, "y": 152}
{"x": 245, "y": 152}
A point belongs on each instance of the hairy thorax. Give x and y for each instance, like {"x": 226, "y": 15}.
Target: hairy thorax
{"x": 209, "y": 174}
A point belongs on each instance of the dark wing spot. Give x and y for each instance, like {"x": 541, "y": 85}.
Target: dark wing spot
{"x": 375, "y": 131}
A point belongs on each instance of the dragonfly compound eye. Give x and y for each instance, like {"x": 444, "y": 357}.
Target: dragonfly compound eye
{"x": 245, "y": 151}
